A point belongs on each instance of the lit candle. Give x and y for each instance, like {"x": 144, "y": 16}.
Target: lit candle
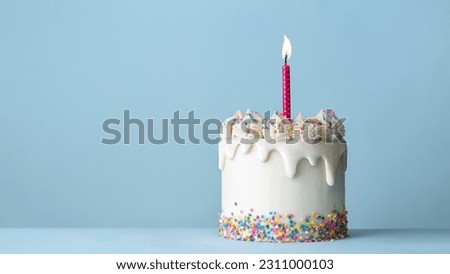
{"x": 286, "y": 54}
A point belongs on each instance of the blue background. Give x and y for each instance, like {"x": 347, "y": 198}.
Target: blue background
{"x": 66, "y": 67}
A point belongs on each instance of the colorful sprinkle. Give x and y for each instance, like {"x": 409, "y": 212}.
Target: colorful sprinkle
{"x": 283, "y": 227}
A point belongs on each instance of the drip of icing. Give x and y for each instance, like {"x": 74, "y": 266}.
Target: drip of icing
{"x": 332, "y": 154}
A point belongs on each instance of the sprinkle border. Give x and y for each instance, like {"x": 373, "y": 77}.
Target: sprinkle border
{"x": 283, "y": 228}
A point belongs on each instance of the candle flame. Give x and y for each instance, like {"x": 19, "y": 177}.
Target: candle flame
{"x": 287, "y": 48}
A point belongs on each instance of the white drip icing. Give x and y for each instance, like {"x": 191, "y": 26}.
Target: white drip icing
{"x": 332, "y": 155}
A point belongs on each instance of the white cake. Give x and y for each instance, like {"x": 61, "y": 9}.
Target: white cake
{"x": 283, "y": 180}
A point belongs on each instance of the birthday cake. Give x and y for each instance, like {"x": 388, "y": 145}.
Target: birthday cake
{"x": 283, "y": 180}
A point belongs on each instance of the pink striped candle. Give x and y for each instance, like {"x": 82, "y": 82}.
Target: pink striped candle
{"x": 286, "y": 91}
{"x": 286, "y": 74}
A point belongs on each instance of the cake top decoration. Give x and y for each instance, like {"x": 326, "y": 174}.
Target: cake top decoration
{"x": 325, "y": 126}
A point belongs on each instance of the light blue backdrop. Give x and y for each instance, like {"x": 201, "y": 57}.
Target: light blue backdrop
{"x": 66, "y": 67}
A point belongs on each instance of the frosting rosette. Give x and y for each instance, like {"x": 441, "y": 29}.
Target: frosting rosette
{"x": 308, "y": 127}
{"x": 251, "y": 126}
{"x": 280, "y": 127}
{"x": 247, "y": 126}
{"x": 229, "y": 124}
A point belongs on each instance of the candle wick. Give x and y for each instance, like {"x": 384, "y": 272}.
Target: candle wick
{"x": 285, "y": 59}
